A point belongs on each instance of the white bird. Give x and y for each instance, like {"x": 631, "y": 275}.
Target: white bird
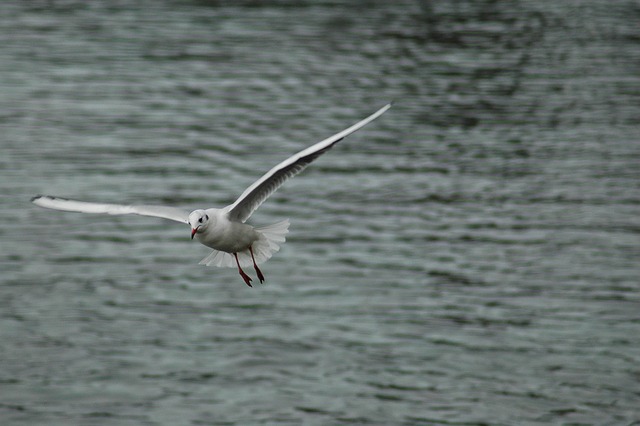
{"x": 224, "y": 229}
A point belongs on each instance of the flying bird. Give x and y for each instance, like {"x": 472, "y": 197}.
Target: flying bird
{"x": 234, "y": 242}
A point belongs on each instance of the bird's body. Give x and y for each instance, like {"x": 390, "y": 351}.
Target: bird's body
{"x": 234, "y": 242}
{"x": 220, "y": 233}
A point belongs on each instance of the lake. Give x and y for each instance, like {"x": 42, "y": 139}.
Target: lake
{"x": 472, "y": 257}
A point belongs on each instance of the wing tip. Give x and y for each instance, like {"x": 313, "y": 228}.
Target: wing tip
{"x": 379, "y": 112}
{"x": 44, "y": 197}
{"x": 46, "y": 200}
{"x": 39, "y": 198}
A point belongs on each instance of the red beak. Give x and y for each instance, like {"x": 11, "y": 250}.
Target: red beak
{"x": 193, "y": 232}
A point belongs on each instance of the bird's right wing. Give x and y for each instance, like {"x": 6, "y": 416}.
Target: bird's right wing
{"x": 57, "y": 203}
{"x": 257, "y": 193}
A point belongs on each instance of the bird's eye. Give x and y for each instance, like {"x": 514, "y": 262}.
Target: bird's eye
{"x": 200, "y": 220}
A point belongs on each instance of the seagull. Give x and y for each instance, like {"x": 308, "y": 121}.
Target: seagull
{"x": 234, "y": 242}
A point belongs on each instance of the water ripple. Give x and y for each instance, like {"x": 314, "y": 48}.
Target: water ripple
{"x": 469, "y": 258}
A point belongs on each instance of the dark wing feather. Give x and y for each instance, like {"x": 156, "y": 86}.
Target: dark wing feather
{"x": 257, "y": 193}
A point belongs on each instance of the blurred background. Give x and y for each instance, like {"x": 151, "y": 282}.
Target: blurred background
{"x": 469, "y": 258}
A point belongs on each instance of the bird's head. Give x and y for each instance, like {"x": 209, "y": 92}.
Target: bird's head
{"x": 198, "y": 219}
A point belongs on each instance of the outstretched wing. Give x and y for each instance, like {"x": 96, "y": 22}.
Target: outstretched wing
{"x": 257, "y": 193}
{"x": 57, "y": 203}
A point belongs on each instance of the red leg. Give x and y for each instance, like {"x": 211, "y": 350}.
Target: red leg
{"x": 255, "y": 266}
{"x": 245, "y": 277}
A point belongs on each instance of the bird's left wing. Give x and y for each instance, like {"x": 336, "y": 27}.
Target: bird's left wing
{"x": 58, "y": 203}
{"x": 257, "y": 193}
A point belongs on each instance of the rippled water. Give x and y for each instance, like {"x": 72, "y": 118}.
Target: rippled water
{"x": 472, "y": 257}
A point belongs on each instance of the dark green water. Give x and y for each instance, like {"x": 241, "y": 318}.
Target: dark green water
{"x": 472, "y": 257}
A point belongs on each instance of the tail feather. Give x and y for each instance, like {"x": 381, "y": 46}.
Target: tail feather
{"x": 271, "y": 237}
{"x": 218, "y": 258}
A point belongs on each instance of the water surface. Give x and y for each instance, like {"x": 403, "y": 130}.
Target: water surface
{"x": 469, "y": 258}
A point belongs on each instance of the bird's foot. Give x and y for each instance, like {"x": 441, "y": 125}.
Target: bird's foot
{"x": 259, "y": 273}
{"x": 246, "y": 278}
{"x": 255, "y": 266}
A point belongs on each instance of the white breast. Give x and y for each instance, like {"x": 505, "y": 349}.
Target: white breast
{"x": 227, "y": 236}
